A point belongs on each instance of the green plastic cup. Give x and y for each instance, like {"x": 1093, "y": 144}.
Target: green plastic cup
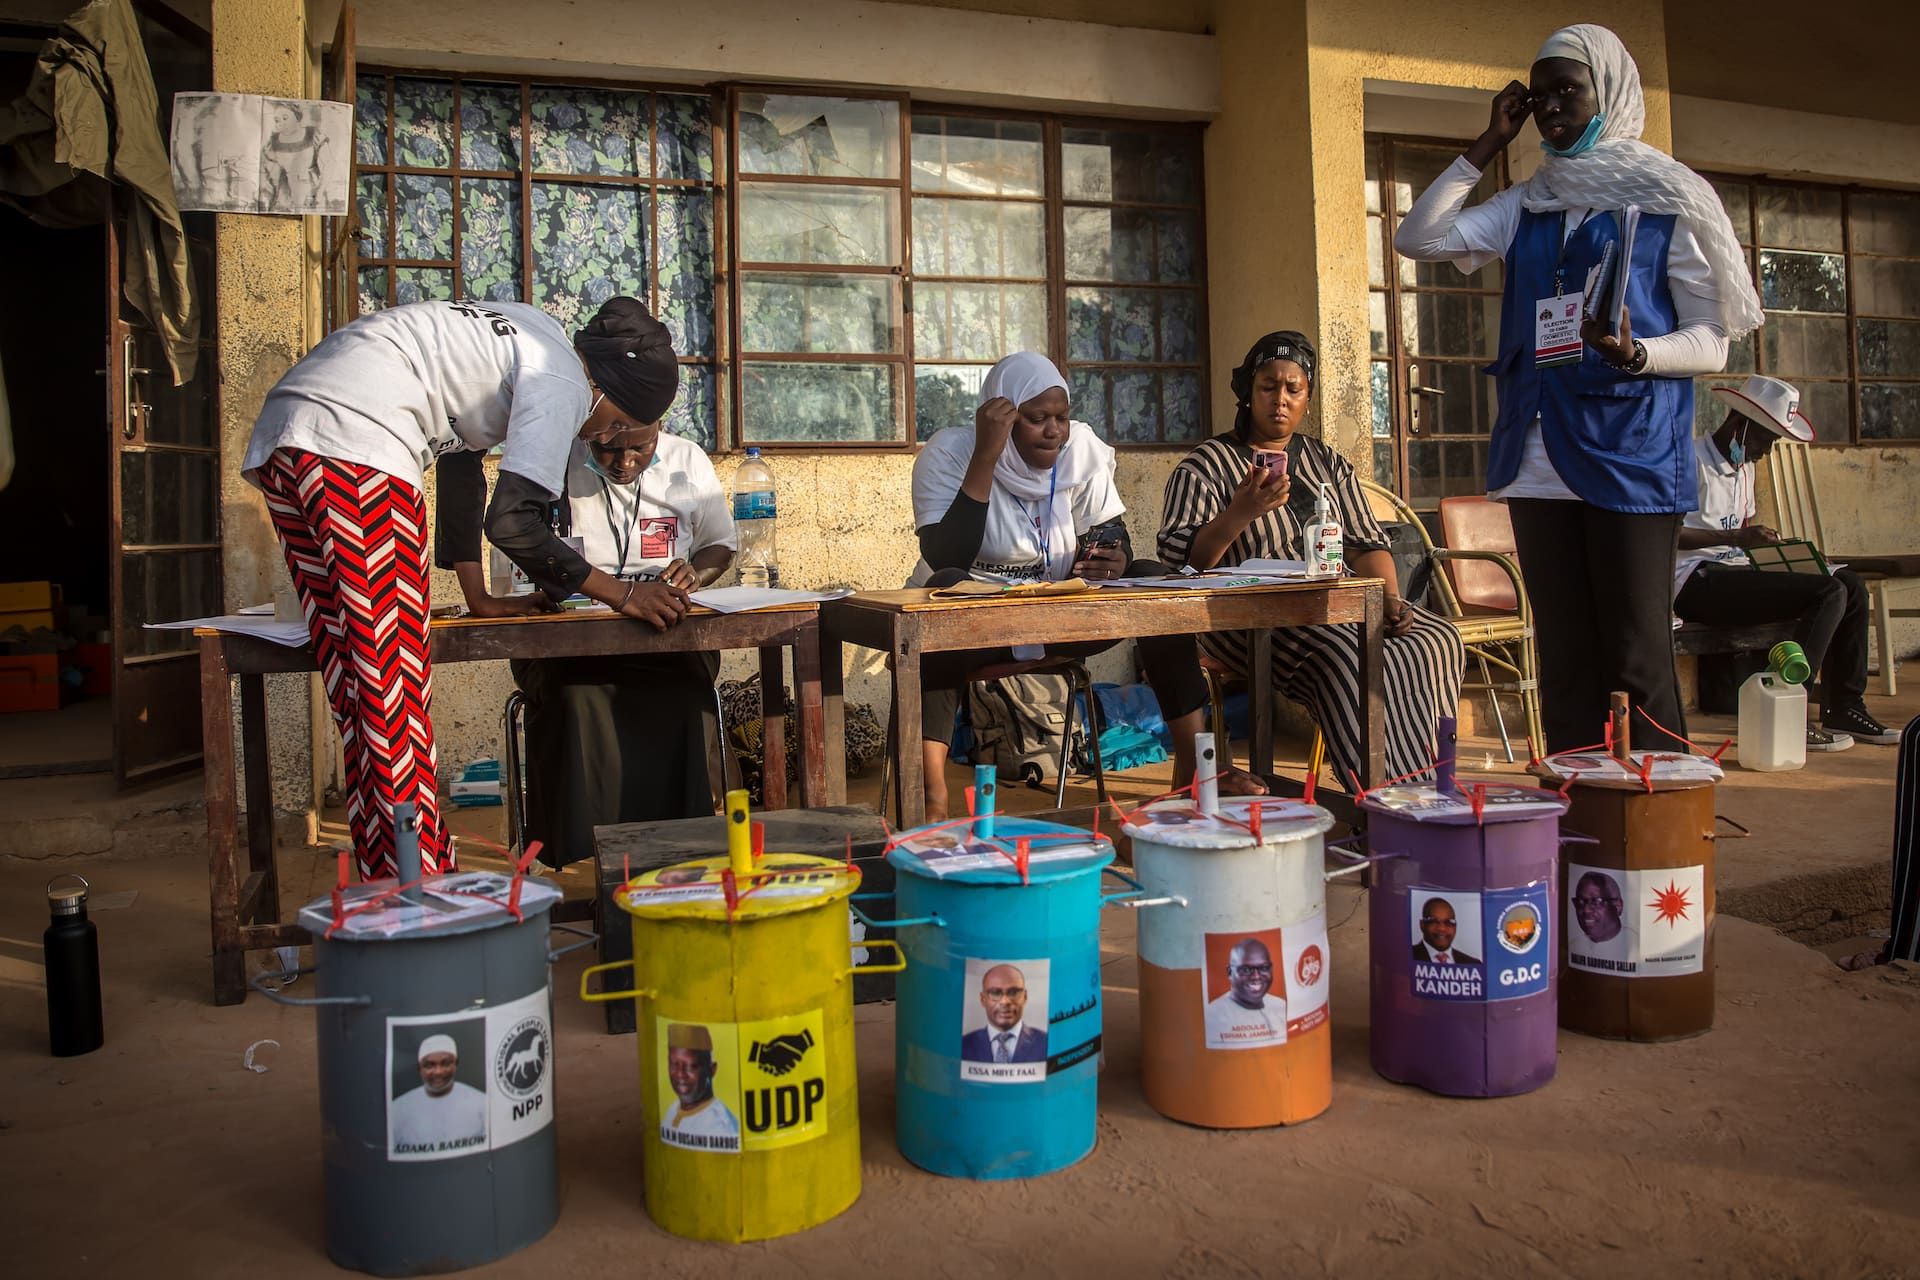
{"x": 1789, "y": 663}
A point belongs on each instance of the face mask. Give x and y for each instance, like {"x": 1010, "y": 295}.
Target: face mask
{"x": 1737, "y": 448}
{"x": 1584, "y": 142}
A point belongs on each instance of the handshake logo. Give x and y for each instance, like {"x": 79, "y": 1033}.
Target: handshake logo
{"x": 781, "y": 1054}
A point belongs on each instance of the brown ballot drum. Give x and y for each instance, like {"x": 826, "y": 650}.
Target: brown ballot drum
{"x": 1636, "y": 943}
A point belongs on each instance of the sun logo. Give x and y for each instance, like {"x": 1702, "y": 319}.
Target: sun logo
{"x": 1670, "y": 904}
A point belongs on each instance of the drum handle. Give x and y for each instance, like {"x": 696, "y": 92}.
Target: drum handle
{"x": 890, "y": 944}
{"x": 358, "y": 1002}
{"x": 597, "y": 997}
{"x": 588, "y": 935}
{"x": 871, "y": 923}
{"x": 1133, "y": 901}
{"x": 1575, "y": 837}
{"x": 1743, "y": 833}
{"x": 1355, "y": 861}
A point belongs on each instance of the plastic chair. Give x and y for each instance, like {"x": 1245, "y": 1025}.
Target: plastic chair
{"x": 513, "y": 731}
{"x": 1483, "y": 595}
{"x": 1796, "y": 505}
{"x": 1076, "y": 675}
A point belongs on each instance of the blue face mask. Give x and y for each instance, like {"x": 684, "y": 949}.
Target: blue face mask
{"x": 1584, "y": 142}
{"x": 1737, "y": 448}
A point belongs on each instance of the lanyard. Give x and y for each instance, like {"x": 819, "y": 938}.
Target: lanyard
{"x": 622, "y": 539}
{"x": 1042, "y": 534}
{"x": 1560, "y": 262}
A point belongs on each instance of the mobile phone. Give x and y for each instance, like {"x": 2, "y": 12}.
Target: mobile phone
{"x": 1271, "y": 461}
{"x": 1098, "y": 536}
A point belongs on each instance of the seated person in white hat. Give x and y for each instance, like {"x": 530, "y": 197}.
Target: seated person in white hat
{"x": 1716, "y": 585}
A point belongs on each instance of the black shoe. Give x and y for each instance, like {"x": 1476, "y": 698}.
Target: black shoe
{"x": 1819, "y": 739}
{"x": 1864, "y": 728}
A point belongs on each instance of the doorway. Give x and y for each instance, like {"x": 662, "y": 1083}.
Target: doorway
{"x": 111, "y": 516}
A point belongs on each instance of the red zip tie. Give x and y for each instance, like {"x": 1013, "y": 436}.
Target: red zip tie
{"x": 1721, "y": 750}
{"x": 1022, "y": 851}
{"x": 1670, "y": 733}
{"x": 1253, "y": 821}
{"x": 1306, "y": 793}
{"x": 759, "y": 831}
{"x": 1479, "y": 798}
{"x": 730, "y": 889}
{"x": 849, "y": 853}
{"x": 971, "y": 811}
{"x": 1533, "y": 752}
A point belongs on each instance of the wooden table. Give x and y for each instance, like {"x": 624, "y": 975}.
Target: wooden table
{"x": 246, "y": 910}
{"x": 910, "y": 624}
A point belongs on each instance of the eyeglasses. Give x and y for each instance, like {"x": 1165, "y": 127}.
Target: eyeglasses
{"x": 1251, "y": 970}
{"x": 1004, "y": 993}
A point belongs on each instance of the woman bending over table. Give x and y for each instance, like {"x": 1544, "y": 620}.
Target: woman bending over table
{"x": 1007, "y": 499}
{"x": 340, "y": 449}
{"x": 1232, "y": 500}
{"x": 623, "y": 738}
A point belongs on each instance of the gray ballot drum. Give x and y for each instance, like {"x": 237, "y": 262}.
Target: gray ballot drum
{"x": 436, "y": 1065}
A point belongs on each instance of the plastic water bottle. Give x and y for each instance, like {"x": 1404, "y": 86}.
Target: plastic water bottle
{"x": 754, "y": 510}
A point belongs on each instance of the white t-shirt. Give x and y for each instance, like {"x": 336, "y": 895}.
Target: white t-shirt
{"x": 672, "y": 510}
{"x": 422, "y": 1121}
{"x": 1231, "y": 1025}
{"x": 1726, "y": 502}
{"x": 396, "y": 389}
{"x": 1023, "y": 540}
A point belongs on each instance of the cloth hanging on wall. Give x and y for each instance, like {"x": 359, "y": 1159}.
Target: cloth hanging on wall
{"x": 90, "y": 117}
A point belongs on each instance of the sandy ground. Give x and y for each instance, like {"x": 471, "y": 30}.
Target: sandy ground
{"x": 1785, "y": 1142}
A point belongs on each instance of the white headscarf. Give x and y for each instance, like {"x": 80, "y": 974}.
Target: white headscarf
{"x": 1021, "y": 377}
{"x": 1620, "y": 170}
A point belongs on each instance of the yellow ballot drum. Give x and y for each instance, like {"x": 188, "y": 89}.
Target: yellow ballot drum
{"x": 742, "y": 974}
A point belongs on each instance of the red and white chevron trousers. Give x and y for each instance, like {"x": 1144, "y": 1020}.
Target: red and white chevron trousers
{"x": 356, "y": 545}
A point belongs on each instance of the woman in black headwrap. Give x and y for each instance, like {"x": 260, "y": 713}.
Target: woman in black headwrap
{"x": 1250, "y": 494}
{"x": 340, "y": 450}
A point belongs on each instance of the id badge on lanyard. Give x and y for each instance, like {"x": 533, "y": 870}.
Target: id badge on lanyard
{"x": 1556, "y": 330}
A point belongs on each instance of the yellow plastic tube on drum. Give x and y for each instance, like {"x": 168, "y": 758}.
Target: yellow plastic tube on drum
{"x": 750, "y": 1126}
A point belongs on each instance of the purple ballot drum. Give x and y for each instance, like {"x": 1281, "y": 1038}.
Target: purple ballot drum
{"x": 1465, "y": 977}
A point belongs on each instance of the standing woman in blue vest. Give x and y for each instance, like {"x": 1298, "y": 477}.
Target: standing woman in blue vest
{"x": 1592, "y": 449}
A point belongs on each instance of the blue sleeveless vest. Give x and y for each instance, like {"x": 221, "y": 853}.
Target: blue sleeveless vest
{"x": 1623, "y": 443}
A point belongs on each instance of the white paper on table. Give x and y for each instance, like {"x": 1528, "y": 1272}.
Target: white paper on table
{"x": 292, "y": 634}
{"x": 747, "y": 599}
{"x": 256, "y": 610}
{"x": 1274, "y": 568}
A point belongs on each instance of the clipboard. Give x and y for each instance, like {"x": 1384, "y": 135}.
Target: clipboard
{"x": 1796, "y": 555}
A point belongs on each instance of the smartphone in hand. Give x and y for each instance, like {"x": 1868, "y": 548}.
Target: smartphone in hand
{"x": 1275, "y": 463}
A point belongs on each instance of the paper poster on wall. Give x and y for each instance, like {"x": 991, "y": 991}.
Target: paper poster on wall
{"x": 1244, "y": 984}
{"x": 1448, "y": 944}
{"x": 467, "y": 1082}
{"x": 241, "y": 153}
{"x": 1003, "y": 1021}
{"x": 727, "y": 1087}
{"x": 1636, "y": 924}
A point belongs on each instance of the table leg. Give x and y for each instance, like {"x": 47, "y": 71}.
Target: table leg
{"x": 814, "y": 761}
{"x": 1260, "y": 701}
{"x": 223, "y": 873}
{"x": 833, "y": 717}
{"x": 773, "y": 731}
{"x": 1373, "y": 687}
{"x": 261, "y": 862}
{"x": 910, "y": 777}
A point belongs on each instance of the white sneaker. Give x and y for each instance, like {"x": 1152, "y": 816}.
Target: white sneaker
{"x": 1819, "y": 739}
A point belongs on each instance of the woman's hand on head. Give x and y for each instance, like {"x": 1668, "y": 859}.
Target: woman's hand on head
{"x": 1262, "y": 490}
{"x": 993, "y": 424}
{"x": 659, "y": 604}
{"x": 1511, "y": 106}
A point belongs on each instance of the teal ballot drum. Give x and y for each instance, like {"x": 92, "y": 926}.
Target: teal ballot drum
{"x": 997, "y": 1033}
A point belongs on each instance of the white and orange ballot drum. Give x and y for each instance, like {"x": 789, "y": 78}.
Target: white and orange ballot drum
{"x": 1233, "y": 984}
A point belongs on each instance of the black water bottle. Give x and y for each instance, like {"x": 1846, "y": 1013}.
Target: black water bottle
{"x": 72, "y": 947}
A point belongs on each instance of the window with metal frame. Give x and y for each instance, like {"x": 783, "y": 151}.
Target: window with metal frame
{"x": 563, "y": 195}
{"x": 1433, "y": 330}
{"x": 1838, "y": 270}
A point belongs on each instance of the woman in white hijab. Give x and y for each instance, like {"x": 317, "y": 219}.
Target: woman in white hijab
{"x": 1024, "y": 493}
{"x": 1592, "y": 449}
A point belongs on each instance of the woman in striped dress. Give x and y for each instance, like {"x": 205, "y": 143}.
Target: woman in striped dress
{"x": 1231, "y": 500}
